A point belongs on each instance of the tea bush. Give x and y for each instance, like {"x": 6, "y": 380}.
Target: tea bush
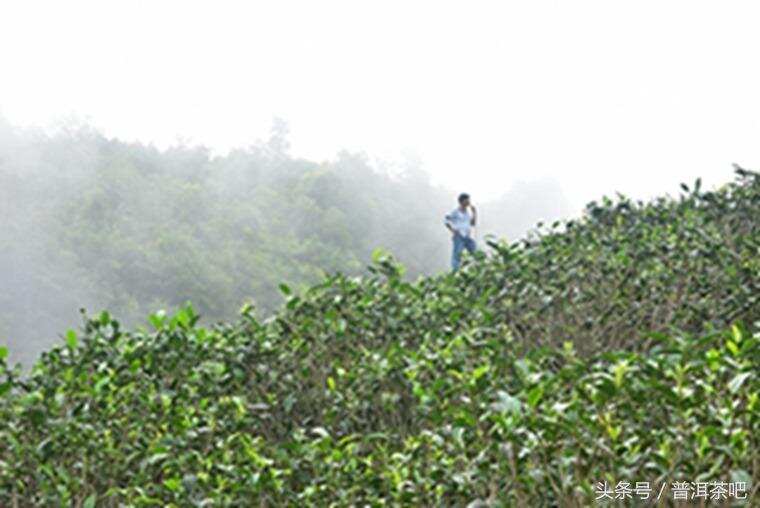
{"x": 604, "y": 349}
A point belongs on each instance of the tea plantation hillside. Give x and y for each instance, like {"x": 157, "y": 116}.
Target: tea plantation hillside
{"x": 620, "y": 347}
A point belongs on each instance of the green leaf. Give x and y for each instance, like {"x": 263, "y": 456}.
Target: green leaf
{"x": 90, "y": 501}
{"x": 183, "y": 318}
{"x": 101, "y": 383}
{"x": 480, "y": 372}
{"x": 158, "y": 319}
{"x": 173, "y": 484}
{"x": 3, "y": 352}
{"x": 506, "y": 403}
{"x": 155, "y": 458}
{"x": 737, "y": 381}
{"x": 534, "y": 396}
{"x": 378, "y": 254}
{"x": 320, "y": 431}
{"x": 736, "y": 332}
{"x": 619, "y": 371}
{"x": 71, "y": 339}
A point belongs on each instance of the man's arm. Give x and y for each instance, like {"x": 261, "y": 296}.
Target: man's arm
{"x": 474, "y": 215}
{"x": 447, "y": 223}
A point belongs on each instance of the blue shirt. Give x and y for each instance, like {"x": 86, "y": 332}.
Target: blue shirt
{"x": 460, "y": 221}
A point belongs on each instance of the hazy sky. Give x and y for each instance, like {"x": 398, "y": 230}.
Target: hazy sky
{"x": 602, "y": 95}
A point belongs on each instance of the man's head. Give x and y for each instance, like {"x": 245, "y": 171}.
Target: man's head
{"x": 464, "y": 200}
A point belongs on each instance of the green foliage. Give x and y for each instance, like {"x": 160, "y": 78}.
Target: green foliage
{"x": 606, "y": 349}
{"x": 296, "y": 412}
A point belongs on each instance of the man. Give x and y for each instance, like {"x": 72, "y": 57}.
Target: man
{"x": 460, "y": 223}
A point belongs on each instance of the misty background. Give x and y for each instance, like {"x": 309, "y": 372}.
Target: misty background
{"x": 98, "y": 223}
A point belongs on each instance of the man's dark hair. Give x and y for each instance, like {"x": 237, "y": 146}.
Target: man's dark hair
{"x": 463, "y": 196}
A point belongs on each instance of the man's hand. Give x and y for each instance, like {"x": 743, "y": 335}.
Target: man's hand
{"x": 474, "y": 215}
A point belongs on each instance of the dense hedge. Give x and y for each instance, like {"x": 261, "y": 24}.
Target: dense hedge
{"x": 602, "y": 350}
{"x": 241, "y": 414}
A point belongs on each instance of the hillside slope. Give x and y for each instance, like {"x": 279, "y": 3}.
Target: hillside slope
{"x": 618, "y": 348}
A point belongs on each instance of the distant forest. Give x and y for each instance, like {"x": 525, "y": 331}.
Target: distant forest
{"x": 92, "y": 222}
